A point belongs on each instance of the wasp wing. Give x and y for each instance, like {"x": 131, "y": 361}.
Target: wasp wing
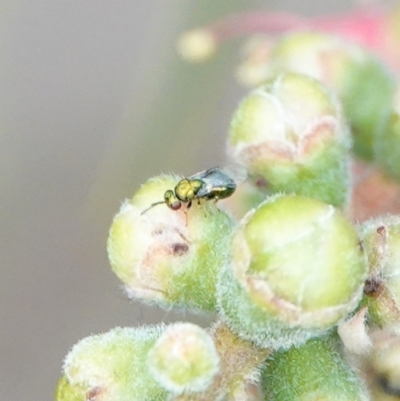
{"x": 219, "y": 182}
{"x": 235, "y": 172}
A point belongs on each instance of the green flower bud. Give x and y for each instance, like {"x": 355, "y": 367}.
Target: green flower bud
{"x": 383, "y": 367}
{"x": 184, "y": 359}
{"x": 297, "y": 269}
{"x": 169, "y": 257}
{"x": 111, "y": 367}
{"x": 238, "y": 375}
{"x": 67, "y": 392}
{"x": 381, "y": 241}
{"x": 252, "y": 71}
{"x": 291, "y": 132}
{"x": 197, "y": 45}
{"x": 387, "y": 149}
{"x": 313, "y": 372}
{"x": 362, "y": 82}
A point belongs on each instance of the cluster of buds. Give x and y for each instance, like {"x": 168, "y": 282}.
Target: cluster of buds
{"x": 292, "y": 281}
{"x": 349, "y": 71}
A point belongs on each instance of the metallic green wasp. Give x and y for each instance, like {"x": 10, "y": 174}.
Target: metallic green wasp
{"x": 212, "y": 184}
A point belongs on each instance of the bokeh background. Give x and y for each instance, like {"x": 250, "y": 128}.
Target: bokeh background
{"x": 94, "y": 100}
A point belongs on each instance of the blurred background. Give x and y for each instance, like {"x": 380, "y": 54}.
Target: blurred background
{"x": 95, "y": 100}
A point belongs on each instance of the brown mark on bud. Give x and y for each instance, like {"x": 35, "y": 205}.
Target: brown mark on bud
{"x": 179, "y": 249}
{"x": 157, "y": 231}
{"x": 176, "y": 248}
{"x": 373, "y": 287}
{"x": 381, "y": 230}
{"x": 261, "y": 182}
{"x": 91, "y": 395}
{"x": 382, "y": 250}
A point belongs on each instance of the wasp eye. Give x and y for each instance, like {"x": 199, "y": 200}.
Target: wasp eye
{"x": 175, "y": 205}
{"x": 171, "y": 200}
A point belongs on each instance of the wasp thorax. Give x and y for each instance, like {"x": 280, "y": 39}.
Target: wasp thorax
{"x": 186, "y": 190}
{"x": 171, "y": 200}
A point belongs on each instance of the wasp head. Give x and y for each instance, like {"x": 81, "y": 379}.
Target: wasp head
{"x": 171, "y": 200}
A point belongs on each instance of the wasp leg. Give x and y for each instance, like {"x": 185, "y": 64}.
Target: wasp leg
{"x": 216, "y": 199}
{"x": 186, "y": 218}
{"x": 186, "y": 211}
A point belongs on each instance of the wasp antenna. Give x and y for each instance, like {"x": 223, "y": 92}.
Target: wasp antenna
{"x": 151, "y": 206}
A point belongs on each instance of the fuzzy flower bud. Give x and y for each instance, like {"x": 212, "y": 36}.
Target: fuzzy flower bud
{"x": 197, "y": 45}
{"x": 383, "y": 367}
{"x": 291, "y": 131}
{"x": 381, "y": 242}
{"x": 297, "y": 269}
{"x": 239, "y": 366}
{"x": 362, "y": 82}
{"x": 111, "y": 367}
{"x": 387, "y": 149}
{"x": 313, "y": 372}
{"x": 184, "y": 359}
{"x": 169, "y": 257}
{"x": 67, "y": 392}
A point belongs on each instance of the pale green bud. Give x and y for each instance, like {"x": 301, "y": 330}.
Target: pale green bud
{"x": 362, "y": 82}
{"x": 239, "y": 366}
{"x": 387, "y": 149}
{"x": 169, "y": 257}
{"x": 367, "y": 99}
{"x": 111, "y": 367}
{"x": 67, "y": 392}
{"x": 296, "y": 270}
{"x": 381, "y": 242}
{"x": 197, "y": 45}
{"x": 184, "y": 359}
{"x": 313, "y": 372}
{"x": 291, "y": 132}
{"x": 383, "y": 367}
